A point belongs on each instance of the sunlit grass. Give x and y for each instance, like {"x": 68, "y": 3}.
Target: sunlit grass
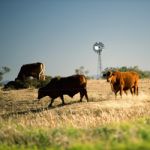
{"x": 102, "y": 123}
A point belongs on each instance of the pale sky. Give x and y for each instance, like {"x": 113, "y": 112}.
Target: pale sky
{"x": 61, "y": 34}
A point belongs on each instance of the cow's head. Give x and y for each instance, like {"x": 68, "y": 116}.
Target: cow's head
{"x": 111, "y": 77}
{"x": 42, "y": 93}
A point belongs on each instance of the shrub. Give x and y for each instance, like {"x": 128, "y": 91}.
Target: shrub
{"x": 26, "y": 83}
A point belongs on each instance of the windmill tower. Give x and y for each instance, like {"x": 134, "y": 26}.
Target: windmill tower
{"x": 98, "y": 47}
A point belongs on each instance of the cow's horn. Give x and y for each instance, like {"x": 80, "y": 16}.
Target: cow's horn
{"x": 109, "y": 73}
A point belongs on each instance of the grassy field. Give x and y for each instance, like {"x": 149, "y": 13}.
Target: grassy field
{"x": 102, "y": 123}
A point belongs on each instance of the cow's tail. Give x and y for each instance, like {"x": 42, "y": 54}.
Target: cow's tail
{"x": 84, "y": 80}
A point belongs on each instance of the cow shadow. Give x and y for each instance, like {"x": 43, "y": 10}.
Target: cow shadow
{"x": 35, "y": 110}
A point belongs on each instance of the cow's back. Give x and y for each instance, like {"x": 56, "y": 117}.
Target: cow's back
{"x": 130, "y": 78}
{"x": 73, "y": 81}
{"x": 35, "y": 70}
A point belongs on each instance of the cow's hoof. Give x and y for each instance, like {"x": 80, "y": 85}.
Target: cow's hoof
{"x": 49, "y": 106}
{"x": 63, "y": 104}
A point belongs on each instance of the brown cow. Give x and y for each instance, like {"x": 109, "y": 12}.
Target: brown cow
{"x": 58, "y": 87}
{"x": 123, "y": 81}
{"x": 35, "y": 70}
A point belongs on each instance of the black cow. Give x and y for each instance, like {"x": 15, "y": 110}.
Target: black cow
{"x": 58, "y": 87}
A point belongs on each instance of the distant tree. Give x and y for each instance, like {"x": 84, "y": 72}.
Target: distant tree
{"x": 3, "y": 71}
{"x": 81, "y": 70}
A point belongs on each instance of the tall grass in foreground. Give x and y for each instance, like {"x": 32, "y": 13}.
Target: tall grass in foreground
{"x": 131, "y": 135}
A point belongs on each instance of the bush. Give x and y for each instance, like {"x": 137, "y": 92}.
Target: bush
{"x": 37, "y": 83}
{"x": 26, "y": 84}
{"x": 15, "y": 85}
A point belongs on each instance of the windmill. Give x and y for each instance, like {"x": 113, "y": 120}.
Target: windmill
{"x": 98, "y": 47}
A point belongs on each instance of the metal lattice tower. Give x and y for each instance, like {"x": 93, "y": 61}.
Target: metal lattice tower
{"x": 98, "y": 47}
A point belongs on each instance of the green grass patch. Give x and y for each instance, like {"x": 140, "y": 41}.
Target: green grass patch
{"x": 132, "y": 135}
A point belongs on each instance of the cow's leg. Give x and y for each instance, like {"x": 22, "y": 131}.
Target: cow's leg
{"x": 116, "y": 91}
{"x": 136, "y": 90}
{"x": 132, "y": 93}
{"x": 121, "y": 91}
{"x": 50, "y": 105}
{"x": 81, "y": 95}
{"x": 62, "y": 98}
{"x": 125, "y": 92}
{"x": 86, "y": 96}
{"x": 84, "y": 93}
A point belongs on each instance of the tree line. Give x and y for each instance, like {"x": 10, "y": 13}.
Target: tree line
{"x": 81, "y": 70}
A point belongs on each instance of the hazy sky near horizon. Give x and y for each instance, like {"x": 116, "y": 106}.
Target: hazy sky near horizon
{"x": 61, "y": 34}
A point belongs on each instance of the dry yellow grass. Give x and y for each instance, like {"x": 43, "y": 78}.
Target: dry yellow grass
{"x": 22, "y": 107}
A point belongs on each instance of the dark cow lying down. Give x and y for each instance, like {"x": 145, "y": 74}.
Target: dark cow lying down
{"x": 58, "y": 87}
